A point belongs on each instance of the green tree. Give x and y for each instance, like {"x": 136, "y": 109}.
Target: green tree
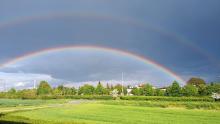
{"x": 159, "y": 92}
{"x": 148, "y": 90}
{"x": 174, "y": 89}
{"x": 59, "y": 90}
{"x": 213, "y": 88}
{"x": 100, "y": 90}
{"x": 44, "y": 88}
{"x": 28, "y": 94}
{"x": 112, "y": 87}
{"x": 12, "y": 91}
{"x": 190, "y": 90}
{"x": 73, "y": 91}
{"x": 119, "y": 88}
{"x": 125, "y": 90}
{"x": 216, "y": 87}
{"x": 210, "y": 89}
{"x": 135, "y": 91}
{"x": 69, "y": 91}
{"x": 108, "y": 89}
{"x": 86, "y": 90}
{"x": 141, "y": 91}
{"x": 56, "y": 91}
{"x": 202, "y": 90}
{"x": 196, "y": 81}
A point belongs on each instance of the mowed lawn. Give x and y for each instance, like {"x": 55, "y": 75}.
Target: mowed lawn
{"x": 98, "y": 113}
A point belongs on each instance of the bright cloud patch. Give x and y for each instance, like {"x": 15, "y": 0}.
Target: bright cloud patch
{"x": 21, "y": 80}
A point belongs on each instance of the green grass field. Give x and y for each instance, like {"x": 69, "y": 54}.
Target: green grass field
{"x": 111, "y": 112}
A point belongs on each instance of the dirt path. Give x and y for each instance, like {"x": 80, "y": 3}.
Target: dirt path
{"x": 79, "y": 101}
{"x": 28, "y": 108}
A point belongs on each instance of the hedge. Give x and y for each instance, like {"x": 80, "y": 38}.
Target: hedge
{"x": 166, "y": 98}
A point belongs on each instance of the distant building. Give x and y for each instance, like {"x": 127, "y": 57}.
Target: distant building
{"x": 216, "y": 96}
{"x": 129, "y": 92}
{"x": 140, "y": 85}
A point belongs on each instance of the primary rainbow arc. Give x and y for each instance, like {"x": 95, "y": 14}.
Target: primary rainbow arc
{"x": 100, "y": 48}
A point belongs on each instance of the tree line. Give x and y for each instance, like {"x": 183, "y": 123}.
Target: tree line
{"x": 194, "y": 87}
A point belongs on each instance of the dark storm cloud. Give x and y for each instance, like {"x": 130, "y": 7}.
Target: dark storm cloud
{"x": 197, "y": 21}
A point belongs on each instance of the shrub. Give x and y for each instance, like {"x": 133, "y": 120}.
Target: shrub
{"x": 44, "y": 88}
{"x": 190, "y": 90}
{"x": 164, "y": 98}
{"x": 89, "y": 97}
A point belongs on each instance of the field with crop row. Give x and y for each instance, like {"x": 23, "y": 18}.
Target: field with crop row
{"x": 112, "y": 112}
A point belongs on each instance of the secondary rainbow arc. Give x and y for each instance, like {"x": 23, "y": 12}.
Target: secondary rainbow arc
{"x": 178, "y": 38}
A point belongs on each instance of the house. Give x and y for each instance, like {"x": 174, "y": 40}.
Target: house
{"x": 216, "y": 96}
{"x": 129, "y": 92}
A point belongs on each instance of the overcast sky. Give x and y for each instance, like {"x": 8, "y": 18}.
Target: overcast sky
{"x": 183, "y": 36}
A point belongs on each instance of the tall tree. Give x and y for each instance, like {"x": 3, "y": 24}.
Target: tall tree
{"x": 190, "y": 90}
{"x": 202, "y": 90}
{"x": 108, "y": 89}
{"x": 112, "y": 87}
{"x": 107, "y": 86}
{"x": 174, "y": 89}
{"x": 119, "y": 88}
{"x": 60, "y": 89}
{"x": 100, "y": 90}
{"x": 159, "y": 92}
{"x": 86, "y": 90}
{"x": 148, "y": 90}
{"x": 28, "y": 94}
{"x": 135, "y": 91}
{"x": 12, "y": 91}
{"x": 196, "y": 81}
{"x": 44, "y": 88}
{"x": 73, "y": 91}
{"x": 213, "y": 88}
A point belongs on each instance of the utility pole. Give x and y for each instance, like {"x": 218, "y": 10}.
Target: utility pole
{"x": 122, "y": 84}
{"x": 5, "y": 89}
{"x": 35, "y": 84}
{"x": 4, "y": 85}
{"x": 0, "y": 83}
